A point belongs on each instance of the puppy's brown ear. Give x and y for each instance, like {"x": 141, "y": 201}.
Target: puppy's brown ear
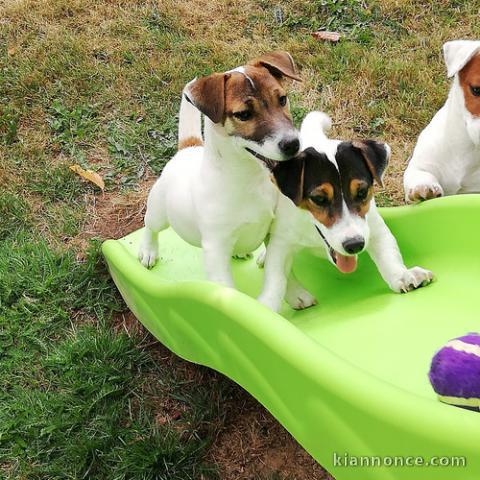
{"x": 376, "y": 156}
{"x": 280, "y": 64}
{"x": 208, "y": 95}
{"x": 289, "y": 176}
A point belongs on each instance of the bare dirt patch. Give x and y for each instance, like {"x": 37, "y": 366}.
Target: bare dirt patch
{"x": 249, "y": 442}
{"x": 112, "y": 215}
{"x": 254, "y": 445}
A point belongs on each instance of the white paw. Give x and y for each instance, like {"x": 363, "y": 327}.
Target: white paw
{"x": 148, "y": 254}
{"x": 243, "y": 256}
{"x": 424, "y": 191}
{"x": 261, "y": 259}
{"x": 411, "y": 279}
{"x": 299, "y": 298}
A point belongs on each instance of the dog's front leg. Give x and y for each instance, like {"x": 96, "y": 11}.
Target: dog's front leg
{"x": 420, "y": 185}
{"x": 297, "y": 296}
{"x": 217, "y": 253}
{"x": 384, "y": 251}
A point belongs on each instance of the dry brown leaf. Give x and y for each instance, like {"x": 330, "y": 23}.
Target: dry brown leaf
{"x": 327, "y": 36}
{"x": 11, "y": 51}
{"x": 89, "y": 175}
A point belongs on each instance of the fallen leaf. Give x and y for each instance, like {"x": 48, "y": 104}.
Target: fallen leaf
{"x": 161, "y": 420}
{"x": 89, "y": 175}
{"x": 327, "y": 36}
{"x": 11, "y": 51}
{"x": 176, "y": 414}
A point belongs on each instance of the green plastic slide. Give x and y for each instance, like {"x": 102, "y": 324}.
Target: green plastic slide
{"x": 348, "y": 377}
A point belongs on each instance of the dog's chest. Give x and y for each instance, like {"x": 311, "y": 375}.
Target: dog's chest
{"x": 258, "y": 202}
{"x": 241, "y": 199}
{"x": 254, "y": 217}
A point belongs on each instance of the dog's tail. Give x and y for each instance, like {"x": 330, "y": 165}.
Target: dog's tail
{"x": 315, "y": 121}
{"x": 313, "y": 130}
{"x": 189, "y": 123}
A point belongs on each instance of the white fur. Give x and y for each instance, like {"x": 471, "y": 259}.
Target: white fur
{"x": 218, "y": 197}
{"x": 294, "y": 230}
{"x": 191, "y": 119}
{"x": 446, "y": 158}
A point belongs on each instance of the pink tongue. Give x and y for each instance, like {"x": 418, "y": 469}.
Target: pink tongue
{"x": 346, "y": 264}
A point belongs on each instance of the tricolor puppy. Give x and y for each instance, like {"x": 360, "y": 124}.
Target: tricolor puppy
{"x": 446, "y": 159}
{"x": 218, "y": 194}
{"x": 328, "y": 207}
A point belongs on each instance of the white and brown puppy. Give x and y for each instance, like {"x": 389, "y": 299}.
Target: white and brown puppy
{"x": 446, "y": 159}
{"x": 217, "y": 194}
{"x": 328, "y": 207}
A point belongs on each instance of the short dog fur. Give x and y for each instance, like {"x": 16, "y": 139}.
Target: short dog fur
{"x": 446, "y": 158}
{"x": 218, "y": 194}
{"x": 331, "y": 182}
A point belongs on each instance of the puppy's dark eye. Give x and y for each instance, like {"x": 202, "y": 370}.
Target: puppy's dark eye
{"x": 243, "y": 116}
{"x": 283, "y": 100}
{"x": 319, "y": 200}
{"x": 362, "y": 193}
{"x": 475, "y": 91}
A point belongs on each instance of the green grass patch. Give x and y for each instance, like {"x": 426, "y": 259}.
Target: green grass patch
{"x": 57, "y": 183}
{"x": 136, "y": 144}
{"x": 73, "y": 399}
{"x": 14, "y": 215}
{"x": 9, "y": 119}
{"x": 98, "y": 84}
{"x": 72, "y": 127}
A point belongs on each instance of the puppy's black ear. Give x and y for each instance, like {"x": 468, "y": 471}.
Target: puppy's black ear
{"x": 376, "y": 156}
{"x": 280, "y": 64}
{"x": 208, "y": 95}
{"x": 289, "y": 177}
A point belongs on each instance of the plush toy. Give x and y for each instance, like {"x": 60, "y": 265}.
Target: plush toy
{"x": 455, "y": 372}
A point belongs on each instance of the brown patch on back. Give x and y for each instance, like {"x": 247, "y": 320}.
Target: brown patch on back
{"x": 469, "y": 76}
{"x": 190, "y": 142}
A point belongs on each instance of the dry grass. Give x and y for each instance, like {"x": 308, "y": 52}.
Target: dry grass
{"x": 98, "y": 82}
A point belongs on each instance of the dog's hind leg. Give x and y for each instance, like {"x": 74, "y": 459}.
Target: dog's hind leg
{"x": 217, "y": 253}
{"x": 261, "y": 256}
{"x": 155, "y": 222}
{"x": 278, "y": 262}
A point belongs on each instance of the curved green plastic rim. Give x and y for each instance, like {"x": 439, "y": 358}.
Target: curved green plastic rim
{"x": 329, "y": 405}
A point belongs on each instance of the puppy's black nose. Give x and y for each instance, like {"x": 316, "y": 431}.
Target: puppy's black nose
{"x": 353, "y": 245}
{"x": 289, "y": 146}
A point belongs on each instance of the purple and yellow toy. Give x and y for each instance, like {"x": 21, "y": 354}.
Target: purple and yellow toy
{"x": 455, "y": 372}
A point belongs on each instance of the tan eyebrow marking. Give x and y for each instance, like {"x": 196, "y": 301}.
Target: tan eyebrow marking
{"x": 363, "y": 207}
{"x": 325, "y": 187}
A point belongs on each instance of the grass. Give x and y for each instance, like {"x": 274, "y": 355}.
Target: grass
{"x": 97, "y": 84}
{"x": 74, "y": 402}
